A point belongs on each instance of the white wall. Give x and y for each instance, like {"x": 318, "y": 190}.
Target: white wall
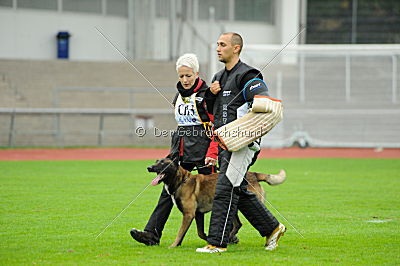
{"x": 288, "y": 20}
{"x": 254, "y": 33}
{"x": 31, "y": 34}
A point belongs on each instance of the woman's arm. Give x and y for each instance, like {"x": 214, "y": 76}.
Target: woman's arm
{"x": 212, "y": 153}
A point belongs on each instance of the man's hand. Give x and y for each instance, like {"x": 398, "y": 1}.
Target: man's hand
{"x": 210, "y": 161}
{"x": 215, "y": 88}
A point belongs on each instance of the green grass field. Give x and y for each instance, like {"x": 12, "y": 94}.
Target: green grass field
{"x": 51, "y": 213}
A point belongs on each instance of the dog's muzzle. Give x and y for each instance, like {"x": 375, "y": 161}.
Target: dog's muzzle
{"x": 158, "y": 178}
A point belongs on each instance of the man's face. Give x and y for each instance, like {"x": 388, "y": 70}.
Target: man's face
{"x": 225, "y": 49}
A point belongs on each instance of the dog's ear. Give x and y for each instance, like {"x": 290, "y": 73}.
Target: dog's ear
{"x": 173, "y": 157}
{"x": 173, "y": 162}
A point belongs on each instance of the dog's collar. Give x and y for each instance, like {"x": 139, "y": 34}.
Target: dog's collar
{"x": 184, "y": 179}
{"x": 174, "y": 188}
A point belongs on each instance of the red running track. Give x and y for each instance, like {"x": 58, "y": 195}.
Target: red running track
{"x": 144, "y": 154}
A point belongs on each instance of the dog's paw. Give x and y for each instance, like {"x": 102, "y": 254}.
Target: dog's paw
{"x": 204, "y": 237}
{"x": 233, "y": 240}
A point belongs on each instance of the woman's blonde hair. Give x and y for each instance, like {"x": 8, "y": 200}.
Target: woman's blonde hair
{"x": 188, "y": 60}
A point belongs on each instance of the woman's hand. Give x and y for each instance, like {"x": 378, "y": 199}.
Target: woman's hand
{"x": 210, "y": 161}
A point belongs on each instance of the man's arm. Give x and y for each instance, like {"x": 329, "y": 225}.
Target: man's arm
{"x": 252, "y": 84}
{"x": 209, "y": 98}
{"x": 211, "y": 95}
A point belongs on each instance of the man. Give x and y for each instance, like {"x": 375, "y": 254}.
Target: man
{"x": 229, "y": 98}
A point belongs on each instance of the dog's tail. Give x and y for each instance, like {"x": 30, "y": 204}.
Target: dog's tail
{"x": 272, "y": 180}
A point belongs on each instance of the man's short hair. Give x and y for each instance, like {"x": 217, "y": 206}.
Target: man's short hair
{"x": 236, "y": 39}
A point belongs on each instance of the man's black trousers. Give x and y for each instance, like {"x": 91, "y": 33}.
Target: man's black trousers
{"x": 228, "y": 199}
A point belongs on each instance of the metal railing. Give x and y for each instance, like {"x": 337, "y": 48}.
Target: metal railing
{"x": 56, "y": 131}
{"x": 57, "y": 98}
{"x": 297, "y": 54}
{"x": 291, "y": 130}
{"x": 334, "y": 95}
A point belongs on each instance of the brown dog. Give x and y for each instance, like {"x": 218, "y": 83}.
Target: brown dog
{"x": 194, "y": 194}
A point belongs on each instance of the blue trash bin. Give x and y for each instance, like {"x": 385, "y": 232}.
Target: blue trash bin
{"x": 63, "y": 44}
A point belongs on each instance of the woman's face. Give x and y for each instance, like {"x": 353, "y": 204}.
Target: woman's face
{"x": 186, "y": 77}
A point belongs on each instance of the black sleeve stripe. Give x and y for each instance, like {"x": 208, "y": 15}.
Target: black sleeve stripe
{"x": 248, "y": 83}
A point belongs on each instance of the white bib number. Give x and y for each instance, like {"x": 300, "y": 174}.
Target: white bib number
{"x": 186, "y": 112}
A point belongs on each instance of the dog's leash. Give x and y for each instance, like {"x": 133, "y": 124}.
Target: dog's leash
{"x": 204, "y": 166}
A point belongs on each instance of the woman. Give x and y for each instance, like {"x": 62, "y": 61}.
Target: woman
{"x": 190, "y": 145}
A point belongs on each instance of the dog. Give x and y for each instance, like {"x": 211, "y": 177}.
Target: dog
{"x": 194, "y": 194}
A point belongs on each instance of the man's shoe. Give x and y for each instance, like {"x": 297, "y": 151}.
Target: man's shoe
{"x": 210, "y": 249}
{"x": 272, "y": 240}
{"x": 145, "y": 237}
